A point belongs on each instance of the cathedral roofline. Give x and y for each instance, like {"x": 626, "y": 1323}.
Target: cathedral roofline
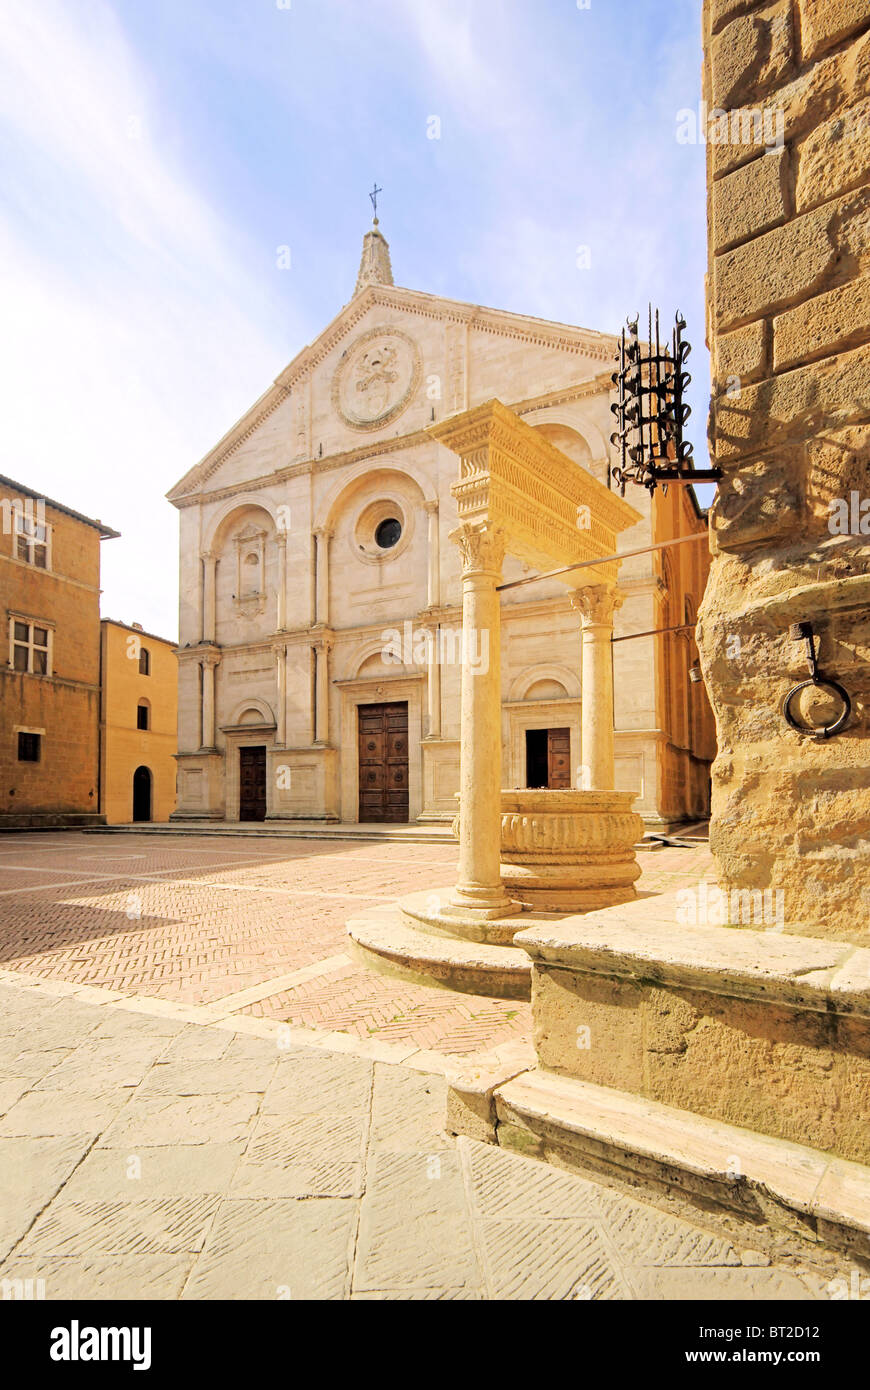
{"x": 543, "y": 332}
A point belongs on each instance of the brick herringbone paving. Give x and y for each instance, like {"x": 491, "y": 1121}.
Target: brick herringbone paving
{"x": 194, "y": 920}
{"x": 355, "y": 1000}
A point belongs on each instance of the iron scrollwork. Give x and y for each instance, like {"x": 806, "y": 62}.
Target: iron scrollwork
{"x": 651, "y": 409}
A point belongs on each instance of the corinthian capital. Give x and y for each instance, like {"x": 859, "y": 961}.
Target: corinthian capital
{"x": 482, "y": 547}
{"x": 597, "y": 604}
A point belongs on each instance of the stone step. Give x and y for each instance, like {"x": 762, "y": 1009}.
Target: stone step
{"x": 430, "y": 912}
{"x": 406, "y": 834}
{"x": 784, "y": 1186}
{"x": 386, "y": 941}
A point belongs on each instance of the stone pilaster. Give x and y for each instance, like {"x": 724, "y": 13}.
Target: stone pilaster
{"x": 209, "y": 580}
{"x": 281, "y": 606}
{"x": 434, "y": 570}
{"x": 323, "y": 535}
{"x": 281, "y": 694}
{"x": 321, "y": 721}
{"x": 209, "y": 663}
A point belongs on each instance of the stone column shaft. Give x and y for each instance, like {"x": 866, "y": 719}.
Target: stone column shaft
{"x": 479, "y": 887}
{"x": 281, "y": 701}
{"x": 433, "y": 685}
{"x": 281, "y": 616}
{"x": 322, "y": 576}
{"x": 597, "y": 605}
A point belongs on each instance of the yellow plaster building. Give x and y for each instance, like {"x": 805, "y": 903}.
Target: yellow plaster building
{"x": 138, "y": 715}
{"x": 49, "y": 662}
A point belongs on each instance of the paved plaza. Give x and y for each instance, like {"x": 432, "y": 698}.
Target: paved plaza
{"x": 203, "y": 1097}
{"x": 251, "y": 927}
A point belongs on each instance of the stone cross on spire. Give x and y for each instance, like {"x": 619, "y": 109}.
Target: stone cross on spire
{"x": 374, "y": 267}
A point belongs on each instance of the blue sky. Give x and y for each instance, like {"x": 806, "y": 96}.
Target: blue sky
{"x": 155, "y": 156}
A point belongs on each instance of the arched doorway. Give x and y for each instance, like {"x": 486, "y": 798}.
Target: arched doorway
{"x": 142, "y": 793}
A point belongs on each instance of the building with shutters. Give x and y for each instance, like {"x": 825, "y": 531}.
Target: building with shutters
{"x": 320, "y": 619}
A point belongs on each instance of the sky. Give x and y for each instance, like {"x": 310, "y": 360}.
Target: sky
{"x": 159, "y": 159}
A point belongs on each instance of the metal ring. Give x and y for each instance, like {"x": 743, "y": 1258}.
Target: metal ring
{"x": 827, "y": 730}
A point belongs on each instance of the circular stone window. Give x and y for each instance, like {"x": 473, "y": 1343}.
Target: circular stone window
{"x": 388, "y": 533}
{"x": 382, "y": 531}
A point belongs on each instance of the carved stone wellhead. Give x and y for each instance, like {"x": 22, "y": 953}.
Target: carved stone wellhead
{"x": 569, "y": 851}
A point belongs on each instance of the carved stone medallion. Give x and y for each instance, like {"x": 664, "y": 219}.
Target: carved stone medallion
{"x": 376, "y": 379}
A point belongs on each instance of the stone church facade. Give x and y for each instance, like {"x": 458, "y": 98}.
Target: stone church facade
{"x": 320, "y": 628}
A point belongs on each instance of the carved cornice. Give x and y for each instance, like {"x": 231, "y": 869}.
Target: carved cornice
{"x": 500, "y": 322}
{"x": 379, "y": 448}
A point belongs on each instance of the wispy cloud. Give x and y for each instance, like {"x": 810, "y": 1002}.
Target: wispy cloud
{"x": 152, "y": 157}
{"x": 127, "y": 296}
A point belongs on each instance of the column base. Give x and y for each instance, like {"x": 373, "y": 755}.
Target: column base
{"x": 485, "y": 903}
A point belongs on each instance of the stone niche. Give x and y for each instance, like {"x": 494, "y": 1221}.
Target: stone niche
{"x": 788, "y": 324}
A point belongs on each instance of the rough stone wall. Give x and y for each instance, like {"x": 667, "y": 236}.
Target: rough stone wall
{"x": 788, "y": 327}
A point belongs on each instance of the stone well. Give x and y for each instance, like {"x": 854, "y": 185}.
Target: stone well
{"x": 569, "y": 851}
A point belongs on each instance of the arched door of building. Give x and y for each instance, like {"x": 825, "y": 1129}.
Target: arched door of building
{"x": 142, "y": 793}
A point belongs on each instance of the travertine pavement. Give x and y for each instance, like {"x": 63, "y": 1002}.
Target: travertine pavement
{"x": 144, "y": 1155}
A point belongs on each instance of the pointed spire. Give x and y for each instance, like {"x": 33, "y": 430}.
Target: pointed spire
{"x": 374, "y": 267}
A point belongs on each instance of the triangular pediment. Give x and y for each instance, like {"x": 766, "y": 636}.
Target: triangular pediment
{"x": 379, "y": 321}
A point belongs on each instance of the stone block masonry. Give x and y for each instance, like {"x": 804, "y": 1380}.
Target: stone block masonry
{"x": 789, "y": 329}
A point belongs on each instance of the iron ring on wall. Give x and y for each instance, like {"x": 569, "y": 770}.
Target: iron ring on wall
{"x": 826, "y": 730}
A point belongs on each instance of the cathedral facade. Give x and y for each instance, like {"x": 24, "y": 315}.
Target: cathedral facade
{"x": 321, "y": 642}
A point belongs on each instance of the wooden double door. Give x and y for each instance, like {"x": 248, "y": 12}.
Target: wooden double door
{"x": 548, "y": 758}
{"x": 252, "y": 783}
{"x": 383, "y": 762}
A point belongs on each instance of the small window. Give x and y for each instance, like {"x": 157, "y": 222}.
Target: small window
{"x": 144, "y": 662}
{"x": 142, "y": 715}
{"x": 29, "y": 748}
{"x": 388, "y": 533}
{"x": 30, "y": 645}
{"x": 31, "y": 540}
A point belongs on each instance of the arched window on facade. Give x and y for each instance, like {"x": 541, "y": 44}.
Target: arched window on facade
{"x": 144, "y": 662}
{"x": 143, "y": 715}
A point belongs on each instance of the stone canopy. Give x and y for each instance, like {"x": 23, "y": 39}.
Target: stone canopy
{"x": 552, "y": 511}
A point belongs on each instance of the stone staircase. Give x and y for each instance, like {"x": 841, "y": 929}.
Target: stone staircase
{"x": 696, "y": 1063}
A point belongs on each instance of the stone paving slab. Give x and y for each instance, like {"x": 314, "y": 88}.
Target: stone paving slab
{"x": 298, "y": 1172}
